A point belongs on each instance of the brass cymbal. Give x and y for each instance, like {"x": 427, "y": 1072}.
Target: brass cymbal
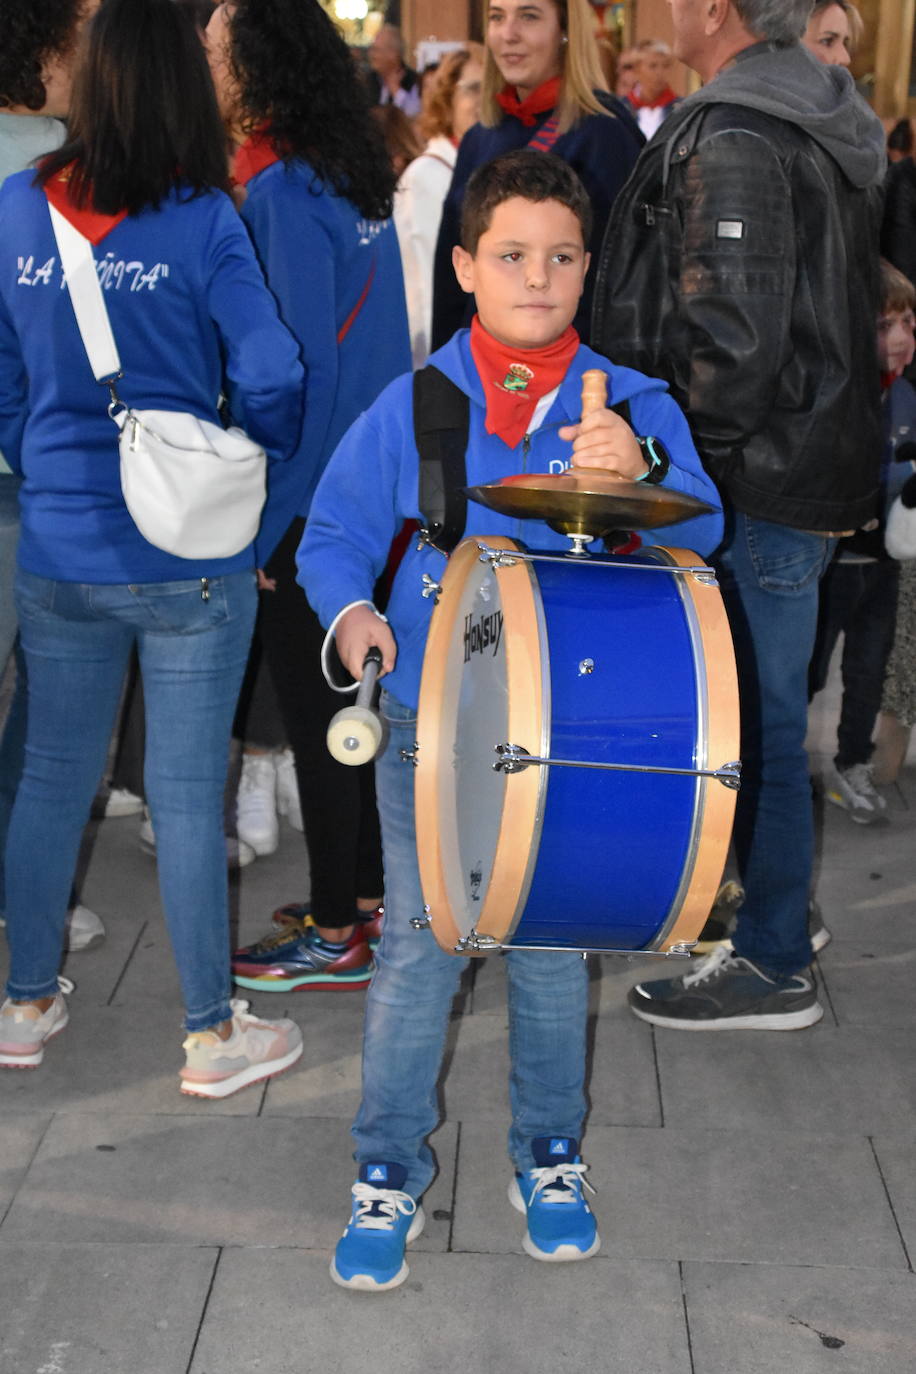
{"x": 587, "y": 501}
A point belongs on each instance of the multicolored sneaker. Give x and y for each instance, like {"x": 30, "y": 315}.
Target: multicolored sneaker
{"x": 298, "y": 958}
{"x": 298, "y": 915}
{"x": 24, "y": 1030}
{"x": 561, "y": 1225}
{"x": 255, "y": 1050}
{"x": 384, "y": 1220}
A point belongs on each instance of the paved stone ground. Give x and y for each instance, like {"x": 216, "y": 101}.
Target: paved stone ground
{"x": 756, "y": 1195}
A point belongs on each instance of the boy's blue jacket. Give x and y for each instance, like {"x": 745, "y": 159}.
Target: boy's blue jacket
{"x": 188, "y": 308}
{"x": 370, "y": 488}
{"x": 319, "y": 255}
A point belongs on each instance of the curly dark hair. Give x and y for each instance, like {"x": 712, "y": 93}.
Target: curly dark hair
{"x": 33, "y": 31}
{"x": 295, "y": 75}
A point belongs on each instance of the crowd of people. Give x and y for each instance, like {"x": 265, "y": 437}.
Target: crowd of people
{"x": 293, "y": 241}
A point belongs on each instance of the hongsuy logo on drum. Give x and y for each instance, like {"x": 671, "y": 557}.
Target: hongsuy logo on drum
{"x": 481, "y": 633}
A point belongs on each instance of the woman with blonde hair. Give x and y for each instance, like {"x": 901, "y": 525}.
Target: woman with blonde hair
{"x": 834, "y": 31}
{"x": 543, "y": 87}
{"x": 451, "y": 108}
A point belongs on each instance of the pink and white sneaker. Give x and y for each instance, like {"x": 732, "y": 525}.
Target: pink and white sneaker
{"x": 254, "y": 1051}
{"x": 24, "y": 1030}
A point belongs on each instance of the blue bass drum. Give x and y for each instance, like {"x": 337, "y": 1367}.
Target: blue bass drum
{"x": 577, "y": 750}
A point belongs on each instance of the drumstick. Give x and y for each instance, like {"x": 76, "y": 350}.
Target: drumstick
{"x": 355, "y": 733}
{"x": 594, "y": 390}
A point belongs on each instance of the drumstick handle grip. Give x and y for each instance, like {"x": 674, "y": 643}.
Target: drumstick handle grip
{"x": 371, "y": 664}
{"x": 594, "y": 390}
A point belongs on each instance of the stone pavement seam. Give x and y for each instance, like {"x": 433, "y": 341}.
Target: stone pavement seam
{"x": 454, "y": 1202}
{"x": 203, "y": 1311}
{"x": 687, "y": 1332}
{"x": 890, "y": 1203}
{"x": 127, "y": 962}
{"x": 25, "y": 1172}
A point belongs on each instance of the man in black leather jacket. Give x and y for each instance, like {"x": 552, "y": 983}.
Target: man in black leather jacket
{"x": 741, "y": 264}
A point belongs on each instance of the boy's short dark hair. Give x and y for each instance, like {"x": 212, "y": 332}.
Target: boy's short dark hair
{"x": 529, "y": 175}
{"x": 898, "y": 293}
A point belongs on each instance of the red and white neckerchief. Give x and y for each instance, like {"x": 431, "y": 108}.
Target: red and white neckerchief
{"x": 515, "y": 379}
{"x": 90, "y": 223}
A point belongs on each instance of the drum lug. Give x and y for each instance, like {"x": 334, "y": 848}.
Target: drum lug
{"x": 477, "y": 944}
{"x": 586, "y": 667}
{"x": 730, "y": 775}
{"x": 410, "y": 755}
{"x": 422, "y": 922}
{"x": 431, "y": 588}
{"x": 497, "y": 558}
{"x": 512, "y": 758}
{"x": 680, "y": 950}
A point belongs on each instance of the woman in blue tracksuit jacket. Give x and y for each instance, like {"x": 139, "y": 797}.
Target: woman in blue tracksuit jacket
{"x": 542, "y": 88}
{"x": 316, "y": 195}
{"x": 188, "y": 309}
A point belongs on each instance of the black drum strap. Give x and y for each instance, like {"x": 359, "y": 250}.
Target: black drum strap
{"x": 441, "y": 420}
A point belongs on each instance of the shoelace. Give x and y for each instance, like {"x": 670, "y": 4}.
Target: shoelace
{"x": 709, "y": 965}
{"x": 287, "y": 935}
{"x": 377, "y": 1208}
{"x": 563, "y": 1180}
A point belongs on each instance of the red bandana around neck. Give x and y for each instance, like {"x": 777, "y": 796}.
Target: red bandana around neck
{"x": 665, "y": 98}
{"x": 257, "y": 152}
{"x": 515, "y": 379}
{"x": 90, "y": 223}
{"x": 541, "y": 99}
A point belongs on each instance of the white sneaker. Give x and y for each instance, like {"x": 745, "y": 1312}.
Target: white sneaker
{"x": 854, "y": 789}
{"x": 256, "y": 803}
{"x": 122, "y": 802}
{"x": 255, "y": 1050}
{"x": 288, "y": 804}
{"x": 238, "y": 854}
{"x": 84, "y": 930}
{"x": 24, "y": 1030}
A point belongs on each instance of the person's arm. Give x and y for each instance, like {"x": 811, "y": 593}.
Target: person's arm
{"x": 656, "y": 414}
{"x": 735, "y": 292}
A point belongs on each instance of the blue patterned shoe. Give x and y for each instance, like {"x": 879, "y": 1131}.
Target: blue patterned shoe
{"x": 294, "y": 958}
{"x": 370, "y": 1253}
{"x": 560, "y": 1222}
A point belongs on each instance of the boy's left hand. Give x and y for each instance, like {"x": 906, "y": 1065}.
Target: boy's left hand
{"x": 603, "y": 440}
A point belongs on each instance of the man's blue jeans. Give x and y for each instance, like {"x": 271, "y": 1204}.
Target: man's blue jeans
{"x": 410, "y": 999}
{"x": 77, "y": 639}
{"x": 769, "y": 575}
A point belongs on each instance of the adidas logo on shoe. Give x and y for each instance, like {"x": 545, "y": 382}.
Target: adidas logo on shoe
{"x": 377, "y": 1174}
{"x": 559, "y": 1147}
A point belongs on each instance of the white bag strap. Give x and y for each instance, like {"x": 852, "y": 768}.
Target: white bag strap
{"x": 86, "y": 296}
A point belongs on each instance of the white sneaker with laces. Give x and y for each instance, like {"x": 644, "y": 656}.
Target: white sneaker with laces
{"x": 122, "y": 802}
{"x": 84, "y": 930}
{"x": 255, "y": 1050}
{"x": 854, "y": 789}
{"x": 288, "y": 804}
{"x": 256, "y": 803}
{"x": 25, "y": 1030}
{"x": 238, "y": 854}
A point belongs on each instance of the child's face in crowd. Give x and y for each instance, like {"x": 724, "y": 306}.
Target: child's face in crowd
{"x": 527, "y": 273}
{"x": 896, "y": 344}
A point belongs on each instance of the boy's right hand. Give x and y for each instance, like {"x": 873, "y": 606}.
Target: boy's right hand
{"x": 358, "y": 631}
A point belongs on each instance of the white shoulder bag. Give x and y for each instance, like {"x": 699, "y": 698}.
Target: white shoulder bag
{"x": 192, "y": 488}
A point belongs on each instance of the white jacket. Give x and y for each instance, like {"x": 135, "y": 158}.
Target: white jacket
{"x": 417, "y": 212}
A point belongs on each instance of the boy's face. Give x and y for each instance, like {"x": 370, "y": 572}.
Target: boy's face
{"x": 896, "y": 344}
{"x": 527, "y": 273}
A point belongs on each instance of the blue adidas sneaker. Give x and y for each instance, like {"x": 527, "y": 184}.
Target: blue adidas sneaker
{"x": 560, "y": 1222}
{"x": 370, "y": 1253}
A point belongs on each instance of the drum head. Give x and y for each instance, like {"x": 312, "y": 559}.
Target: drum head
{"x": 482, "y": 686}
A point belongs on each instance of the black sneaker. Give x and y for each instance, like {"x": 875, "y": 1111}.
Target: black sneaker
{"x": 726, "y": 992}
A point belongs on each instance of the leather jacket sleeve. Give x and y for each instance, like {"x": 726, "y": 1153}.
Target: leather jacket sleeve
{"x": 734, "y": 296}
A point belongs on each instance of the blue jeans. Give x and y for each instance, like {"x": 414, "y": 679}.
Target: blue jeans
{"x": 77, "y": 639}
{"x": 410, "y": 998}
{"x": 9, "y": 540}
{"x": 769, "y": 576}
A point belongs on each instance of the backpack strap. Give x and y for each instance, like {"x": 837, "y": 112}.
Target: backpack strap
{"x": 441, "y": 419}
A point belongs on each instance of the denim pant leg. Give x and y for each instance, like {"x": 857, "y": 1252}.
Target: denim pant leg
{"x": 410, "y": 997}
{"x": 12, "y": 758}
{"x": 75, "y": 665}
{"x": 9, "y": 541}
{"x": 192, "y": 657}
{"x": 769, "y": 576}
{"x": 548, "y": 1010}
{"x": 869, "y": 638}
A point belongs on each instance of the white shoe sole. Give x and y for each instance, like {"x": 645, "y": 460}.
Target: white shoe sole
{"x": 564, "y": 1254}
{"x": 255, "y": 1073}
{"x": 262, "y": 845}
{"x": 33, "y": 1060}
{"x": 365, "y": 1283}
{"x": 775, "y": 1021}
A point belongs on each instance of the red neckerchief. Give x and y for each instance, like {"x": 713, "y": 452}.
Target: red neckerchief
{"x": 515, "y": 379}
{"x": 636, "y": 100}
{"x": 541, "y": 99}
{"x": 90, "y": 223}
{"x": 257, "y": 152}
{"x": 888, "y": 379}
